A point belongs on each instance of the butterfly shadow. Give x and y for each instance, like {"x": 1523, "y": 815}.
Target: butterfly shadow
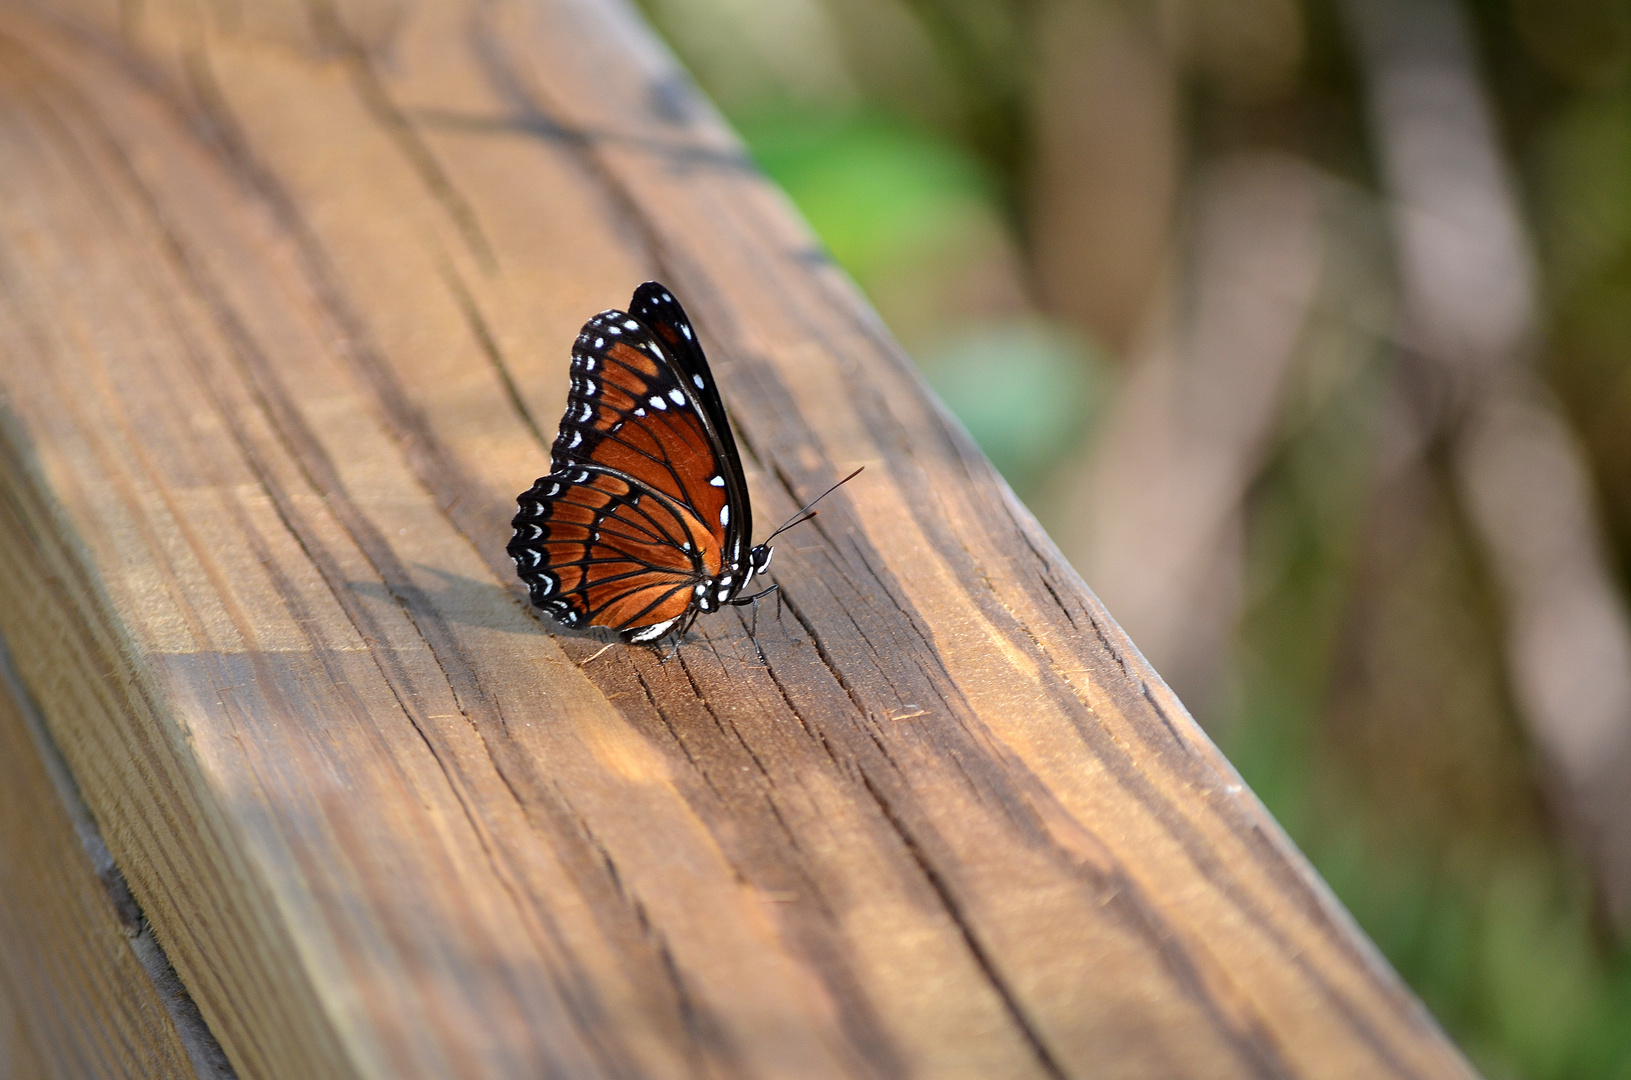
{"x": 471, "y": 602}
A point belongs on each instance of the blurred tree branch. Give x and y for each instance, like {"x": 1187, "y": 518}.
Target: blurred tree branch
{"x": 1157, "y": 514}
{"x": 1468, "y": 314}
{"x": 1107, "y": 153}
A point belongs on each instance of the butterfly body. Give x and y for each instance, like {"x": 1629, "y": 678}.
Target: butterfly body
{"x": 643, "y": 521}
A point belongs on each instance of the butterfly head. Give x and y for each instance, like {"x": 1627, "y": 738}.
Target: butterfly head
{"x": 759, "y": 557}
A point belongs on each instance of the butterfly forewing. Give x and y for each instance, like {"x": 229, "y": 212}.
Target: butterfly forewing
{"x": 656, "y": 308}
{"x": 627, "y": 411}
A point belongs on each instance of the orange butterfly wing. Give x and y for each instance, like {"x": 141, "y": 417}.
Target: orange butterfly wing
{"x": 635, "y": 515}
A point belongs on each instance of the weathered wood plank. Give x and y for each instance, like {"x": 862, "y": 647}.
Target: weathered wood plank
{"x": 74, "y": 994}
{"x": 285, "y": 300}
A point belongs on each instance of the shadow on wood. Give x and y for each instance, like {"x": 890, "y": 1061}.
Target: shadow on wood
{"x": 286, "y": 297}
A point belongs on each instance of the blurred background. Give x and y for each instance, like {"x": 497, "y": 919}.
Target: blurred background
{"x": 1305, "y": 328}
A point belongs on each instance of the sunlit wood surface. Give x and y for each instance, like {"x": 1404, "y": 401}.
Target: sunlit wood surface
{"x": 286, "y": 296}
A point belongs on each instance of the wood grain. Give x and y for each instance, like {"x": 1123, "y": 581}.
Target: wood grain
{"x": 83, "y": 988}
{"x": 286, "y": 293}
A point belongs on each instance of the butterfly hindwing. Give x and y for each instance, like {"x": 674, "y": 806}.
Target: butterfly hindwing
{"x": 596, "y": 549}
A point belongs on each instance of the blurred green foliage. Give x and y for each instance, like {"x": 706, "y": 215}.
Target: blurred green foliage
{"x": 880, "y": 193}
{"x": 1365, "y": 697}
{"x": 895, "y": 203}
{"x": 1026, "y": 390}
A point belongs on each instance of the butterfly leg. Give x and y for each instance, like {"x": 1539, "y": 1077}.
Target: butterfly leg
{"x": 679, "y": 635}
{"x": 753, "y": 626}
{"x": 740, "y": 600}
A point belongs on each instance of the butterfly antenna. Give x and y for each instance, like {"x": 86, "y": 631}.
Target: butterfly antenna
{"x": 805, "y": 513}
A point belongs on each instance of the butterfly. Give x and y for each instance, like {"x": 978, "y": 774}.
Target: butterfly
{"x": 643, "y": 522}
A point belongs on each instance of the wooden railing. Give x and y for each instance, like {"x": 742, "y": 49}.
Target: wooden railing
{"x": 295, "y": 784}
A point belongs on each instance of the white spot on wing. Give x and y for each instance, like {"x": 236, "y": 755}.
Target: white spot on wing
{"x": 577, "y": 437}
{"x": 657, "y": 402}
{"x": 652, "y": 633}
{"x": 686, "y": 330}
{"x": 631, "y": 325}
{"x": 698, "y": 380}
{"x": 717, "y": 481}
{"x": 725, "y": 514}
{"x": 677, "y": 396}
